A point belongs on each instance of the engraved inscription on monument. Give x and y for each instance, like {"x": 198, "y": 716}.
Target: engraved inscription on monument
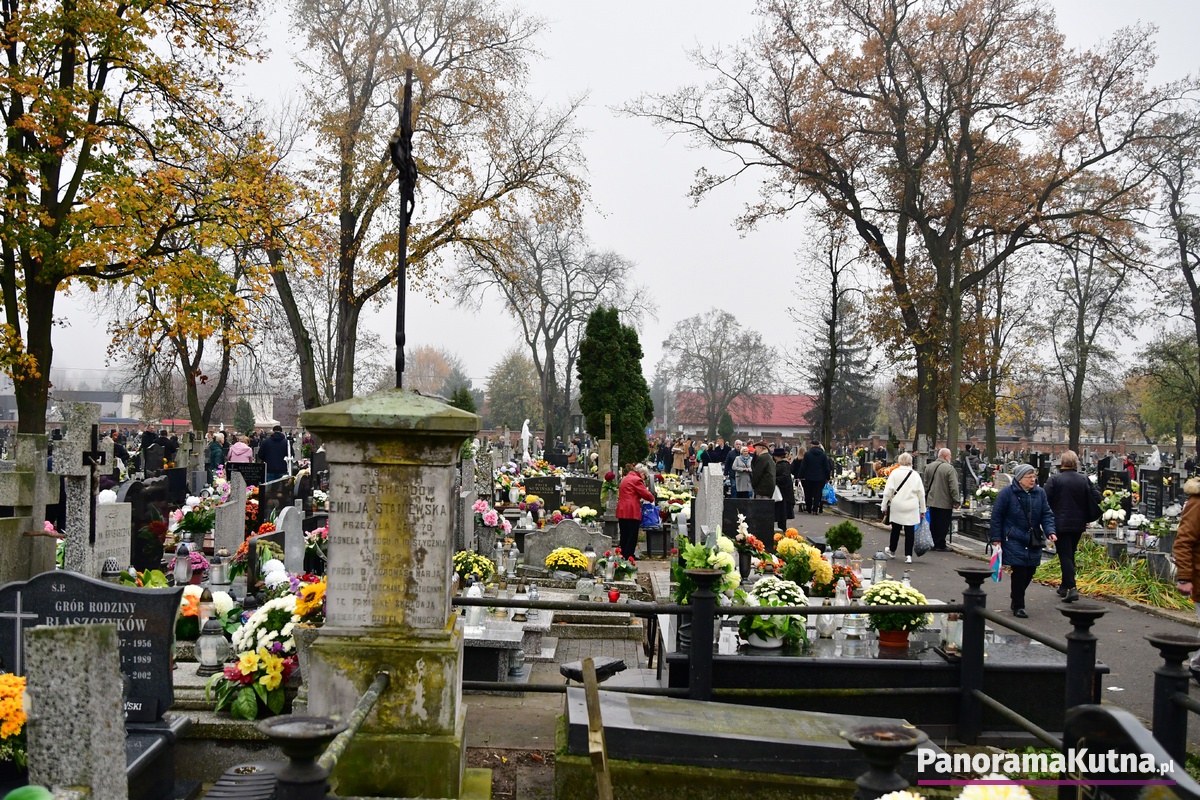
{"x": 388, "y": 566}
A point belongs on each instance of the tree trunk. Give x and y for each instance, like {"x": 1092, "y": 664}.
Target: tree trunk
{"x": 549, "y": 387}
{"x": 33, "y": 390}
{"x": 927, "y": 389}
{"x": 953, "y": 390}
{"x": 347, "y": 345}
{"x": 309, "y": 395}
{"x": 830, "y": 365}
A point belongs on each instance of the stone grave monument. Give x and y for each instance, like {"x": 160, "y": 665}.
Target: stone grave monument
{"x": 145, "y": 620}
{"x": 25, "y": 491}
{"x": 148, "y": 503}
{"x": 583, "y": 492}
{"x": 391, "y": 462}
{"x": 93, "y": 532}
{"x": 708, "y": 503}
{"x": 254, "y": 473}
{"x": 568, "y": 533}
{"x": 229, "y": 528}
{"x": 75, "y": 738}
{"x": 291, "y": 522}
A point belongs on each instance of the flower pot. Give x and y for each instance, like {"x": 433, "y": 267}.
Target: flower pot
{"x": 764, "y": 642}
{"x": 893, "y": 639}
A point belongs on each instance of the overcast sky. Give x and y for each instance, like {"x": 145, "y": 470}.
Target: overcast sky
{"x": 689, "y": 258}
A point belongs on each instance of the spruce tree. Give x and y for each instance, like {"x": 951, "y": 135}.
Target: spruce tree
{"x": 611, "y": 382}
{"x": 243, "y": 416}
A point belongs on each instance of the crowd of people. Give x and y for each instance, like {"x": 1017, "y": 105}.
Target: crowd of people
{"x": 220, "y": 447}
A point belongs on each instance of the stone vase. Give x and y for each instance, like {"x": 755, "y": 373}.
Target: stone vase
{"x": 683, "y": 636}
{"x": 744, "y": 564}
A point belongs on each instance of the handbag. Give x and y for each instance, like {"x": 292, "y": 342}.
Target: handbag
{"x": 923, "y": 541}
{"x": 887, "y": 515}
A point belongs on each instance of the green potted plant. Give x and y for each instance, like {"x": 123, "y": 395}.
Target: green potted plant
{"x": 845, "y": 534}
{"x": 895, "y": 626}
{"x": 773, "y": 630}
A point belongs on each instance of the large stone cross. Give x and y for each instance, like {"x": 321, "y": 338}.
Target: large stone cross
{"x": 93, "y": 533}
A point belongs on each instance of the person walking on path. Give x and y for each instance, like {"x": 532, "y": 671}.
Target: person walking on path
{"x": 630, "y": 494}
{"x": 273, "y": 452}
{"x": 903, "y": 505}
{"x": 814, "y": 475}
{"x": 1187, "y": 561}
{"x": 942, "y": 496}
{"x": 1075, "y": 501}
{"x": 1021, "y": 523}
{"x": 762, "y": 472}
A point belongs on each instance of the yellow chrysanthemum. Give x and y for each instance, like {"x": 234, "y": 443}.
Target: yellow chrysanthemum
{"x": 248, "y": 663}
{"x": 822, "y": 572}
{"x": 788, "y": 547}
{"x": 12, "y": 706}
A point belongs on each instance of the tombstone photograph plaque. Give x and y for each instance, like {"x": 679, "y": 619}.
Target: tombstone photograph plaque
{"x": 255, "y": 472}
{"x": 145, "y": 620}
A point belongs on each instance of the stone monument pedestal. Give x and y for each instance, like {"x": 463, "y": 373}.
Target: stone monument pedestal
{"x": 392, "y": 458}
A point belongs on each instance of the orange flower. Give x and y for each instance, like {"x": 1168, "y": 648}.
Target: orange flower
{"x": 190, "y": 606}
{"x": 266, "y": 527}
{"x": 778, "y": 536}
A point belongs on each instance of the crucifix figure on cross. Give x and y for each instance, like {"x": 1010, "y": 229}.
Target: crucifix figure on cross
{"x": 18, "y": 618}
{"x": 93, "y": 459}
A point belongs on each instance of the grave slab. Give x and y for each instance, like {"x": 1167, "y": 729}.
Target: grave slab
{"x": 723, "y": 736}
{"x": 568, "y": 533}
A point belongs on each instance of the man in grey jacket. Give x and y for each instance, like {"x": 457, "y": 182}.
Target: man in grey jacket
{"x": 941, "y": 496}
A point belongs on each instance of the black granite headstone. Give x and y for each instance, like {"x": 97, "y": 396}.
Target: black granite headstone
{"x": 1152, "y": 492}
{"x": 547, "y": 488}
{"x": 153, "y": 459}
{"x": 320, "y": 463}
{"x": 145, "y": 620}
{"x": 255, "y": 473}
{"x": 760, "y": 518}
{"x": 273, "y": 497}
{"x": 177, "y": 485}
{"x": 583, "y": 492}
{"x": 1109, "y": 730}
{"x": 148, "y": 500}
{"x": 1117, "y": 482}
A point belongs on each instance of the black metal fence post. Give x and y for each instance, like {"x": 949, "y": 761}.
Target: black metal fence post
{"x": 700, "y": 655}
{"x": 1081, "y": 653}
{"x": 970, "y": 713}
{"x": 1170, "y": 719}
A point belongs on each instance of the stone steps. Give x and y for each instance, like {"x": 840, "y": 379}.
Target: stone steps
{"x": 631, "y": 629}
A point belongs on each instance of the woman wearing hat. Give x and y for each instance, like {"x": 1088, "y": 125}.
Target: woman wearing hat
{"x": 1187, "y": 564}
{"x": 1022, "y": 521}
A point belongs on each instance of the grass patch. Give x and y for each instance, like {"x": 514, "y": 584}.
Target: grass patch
{"x": 1096, "y": 574}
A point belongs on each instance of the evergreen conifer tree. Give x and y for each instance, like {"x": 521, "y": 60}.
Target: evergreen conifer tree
{"x": 611, "y": 382}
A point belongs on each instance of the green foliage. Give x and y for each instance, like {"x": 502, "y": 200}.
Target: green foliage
{"x": 611, "y": 382}
{"x": 725, "y": 426}
{"x": 845, "y": 534}
{"x": 512, "y": 392}
{"x": 29, "y": 793}
{"x": 1097, "y": 574}
{"x": 461, "y": 399}
{"x": 243, "y": 416}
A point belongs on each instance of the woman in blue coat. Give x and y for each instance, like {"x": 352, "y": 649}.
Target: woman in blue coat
{"x": 1021, "y": 523}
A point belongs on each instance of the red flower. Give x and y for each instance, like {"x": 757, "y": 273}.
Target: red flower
{"x": 674, "y": 551}
{"x": 617, "y": 550}
{"x": 158, "y": 529}
{"x": 610, "y": 476}
{"x": 608, "y": 553}
{"x": 631, "y": 561}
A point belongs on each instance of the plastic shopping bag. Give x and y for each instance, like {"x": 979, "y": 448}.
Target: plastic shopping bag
{"x": 830, "y": 495}
{"x": 997, "y": 563}
{"x": 923, "y": 541}
{"x": 650, "y": 516}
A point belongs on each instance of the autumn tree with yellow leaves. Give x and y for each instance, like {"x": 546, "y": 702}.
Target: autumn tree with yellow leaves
{"x": 112, "y": 113}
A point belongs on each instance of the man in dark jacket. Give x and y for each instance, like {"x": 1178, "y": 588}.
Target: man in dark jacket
{"x": 1075, "y": 501}
{"x": 718, "y": 453}
{"x": 273, "y": 453}
{"x": 762, "y": 472}
{"x": 814, "y": 475}
{"x": 785, "y": 509}
{"x": 170, "y": 448}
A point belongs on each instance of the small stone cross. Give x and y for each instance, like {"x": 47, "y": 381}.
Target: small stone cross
{"x": 19, "y": 620}
{"x": 94, "y": 459}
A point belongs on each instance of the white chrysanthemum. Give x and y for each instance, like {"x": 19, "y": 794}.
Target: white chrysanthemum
{"x": 191, "y": 590}
{"x": 222, "y": 602}
{"x": 192, "y": 502}
{"x": 725, "y": 544}
{"x": 274, "y": 565}
{"x": 904, "y": 795}
{"x": 1012, "y": 791}
{"x": 106, "y": 496}
{"x": 275, "y": 578}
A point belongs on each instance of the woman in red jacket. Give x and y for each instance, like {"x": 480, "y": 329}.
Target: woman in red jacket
{"x": 629, "y": 508}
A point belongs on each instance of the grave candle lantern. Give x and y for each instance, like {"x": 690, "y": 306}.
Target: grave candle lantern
{"x": 206, "y": 606}
{"x": 211, "y": 647}
{"x": 183, "y": 565}
{"x": 880, "y": 568}
{"x": 589, "y": 553}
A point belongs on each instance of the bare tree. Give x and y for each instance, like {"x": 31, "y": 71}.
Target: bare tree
{"x": 551, "y": 281}
{"x": 714, "y": 357}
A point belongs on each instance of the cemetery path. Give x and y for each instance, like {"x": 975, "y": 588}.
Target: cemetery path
{"x": 1121, "y": 631}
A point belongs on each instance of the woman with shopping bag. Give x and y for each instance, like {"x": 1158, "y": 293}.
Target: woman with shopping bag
{"x": 630, "y": 494}
{"x": 903, "y": 505}
{"x": 1022, "y": 521}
